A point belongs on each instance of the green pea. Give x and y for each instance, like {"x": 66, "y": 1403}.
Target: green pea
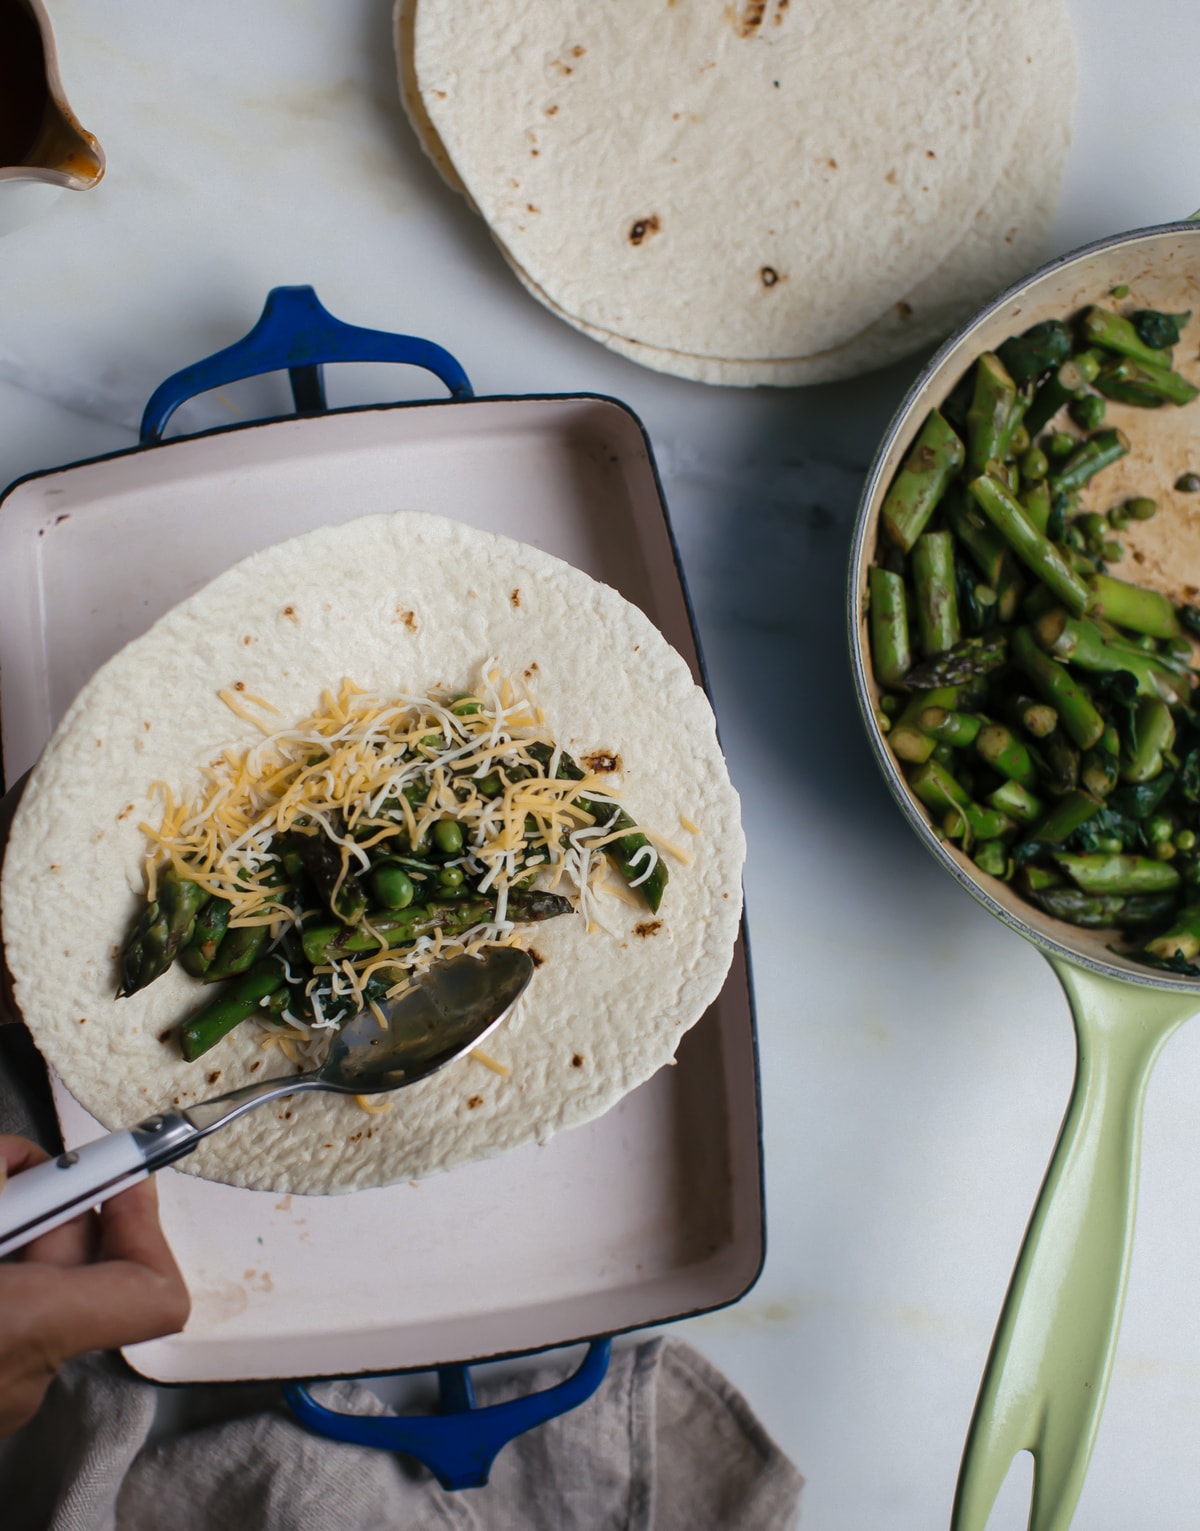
{"x": 1059, "y": 444}
{"x": 1019, "y": 442}
{"x": 392, "y": 887}
{"x": 1087, "y": 411}
{"x": 448, "y": 836}
{"x": 1188, "y": 483}
{"x": 1141, "y": 508}
{"x": 1113, "y": 552}
{"x": 490, "y": 785}
{"x": 1185, "y": 840}
{"x": 450, "y": 877}
{"x": 1034, "y": 465}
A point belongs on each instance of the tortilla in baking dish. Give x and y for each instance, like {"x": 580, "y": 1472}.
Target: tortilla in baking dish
{"x": 401, "y": 604}
{"x": 757, "y": 192}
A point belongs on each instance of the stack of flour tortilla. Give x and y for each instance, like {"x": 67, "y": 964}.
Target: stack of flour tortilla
{"x": 764, "y": 191}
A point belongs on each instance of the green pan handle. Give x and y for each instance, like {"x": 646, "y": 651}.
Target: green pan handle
{"x": 1046, "y": 1376}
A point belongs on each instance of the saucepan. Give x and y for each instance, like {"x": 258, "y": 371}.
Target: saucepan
{"x": 1047, "y": 1373}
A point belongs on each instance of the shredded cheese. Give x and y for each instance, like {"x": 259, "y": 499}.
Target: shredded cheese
{"x": 363, "y": 769}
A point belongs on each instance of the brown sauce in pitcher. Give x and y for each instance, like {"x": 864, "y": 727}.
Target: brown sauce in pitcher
{"x": 23, "y": 93}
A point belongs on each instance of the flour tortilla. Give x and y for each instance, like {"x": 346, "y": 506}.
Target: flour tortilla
{"x": 400, "y": 603}
{"x": 1005, "y": 237}
{"x": 791, "y": 180}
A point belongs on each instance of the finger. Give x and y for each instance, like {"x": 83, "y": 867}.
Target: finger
{"x": 17, "y": 1154}
{"x": 130, "y": 1230}
{"x": 69, "y": 1245}
{"x": 67, "y": 1311}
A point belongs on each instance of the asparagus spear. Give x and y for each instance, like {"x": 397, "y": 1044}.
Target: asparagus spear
{"x": 207, "y": 933}
{"x": 1005, "y": 753}
{"x": 323, "y": 862}
{"x": 890, "y": 649}
{"x": 1118, "y": 874}
{"x": 1055, "y": 684}
{"x": 330, "y": 943}
{"x": 936, "y": 456}
{"x": 938, "y": 789}
{"x": 1097, "y": 452}
{"x": 959, "y": 729}
{"x": 1037, "y": 552}
{"x": 992, "y": 405}
{"x": 1132, "y": 606}
{"x": 230, "y": 1008}
{"x": 1152, "y": 733}
{"x": 239, "y": 949}
{"x": 975, "y": 532}
{"x": 162, "y": 929}
{"x": 1100, "y": 327}
{"x": 1081, "y": 642}
{"x": 1092, "y": 911}
{"x": 933, "y": 580}
{"x": 966, "y": 661}
{"x": 1132, "y": 382}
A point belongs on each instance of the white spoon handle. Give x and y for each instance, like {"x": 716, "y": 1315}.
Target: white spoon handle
{"x": 50, "y": 1194}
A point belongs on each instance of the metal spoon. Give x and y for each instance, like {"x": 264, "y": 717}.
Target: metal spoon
{"x": 448, "y": 1011}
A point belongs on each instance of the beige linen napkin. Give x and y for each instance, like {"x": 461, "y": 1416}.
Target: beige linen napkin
{"x": 667, "y": 1444}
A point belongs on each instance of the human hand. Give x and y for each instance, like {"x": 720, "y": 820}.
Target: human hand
{"x": 103, "y": 1280}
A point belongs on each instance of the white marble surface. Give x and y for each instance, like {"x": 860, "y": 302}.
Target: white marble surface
{"x": 916, "y": 1056}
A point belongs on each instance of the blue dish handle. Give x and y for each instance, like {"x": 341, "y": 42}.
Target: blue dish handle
{"x": 460, "y": 1444}
{"x": 295, "y": 331}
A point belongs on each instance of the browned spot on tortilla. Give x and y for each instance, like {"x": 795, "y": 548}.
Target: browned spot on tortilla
{"x": 890, "y": 177}
{"x": 249, "y": 1273}
{"x": 408, "y": 618}
{"x": 290, "y": 612}
{"x": 751, "y": 17}
{"x": 286, "y": 1116}
{"x": 83, "y": 1020}
{"x": 576, "y": 1060}
{"x": 370, "y": 1132}
{"x": 165, "y": 1036}
{"x": 354, "y": 1137}
{"x": 99, "y": 743}
{"x": 647, "y": 928}
{"x": 602, "y": 761}
{"x": 54, "y": 866}
{"x": 904, "y": 310}
{"x": 929, "y": 154}
{"x": 146, "y": 726}
{"x": 1191, "y": 592}
{"x": 832, "y": 163}
{"x": 515, "y": 598}
{"x": 213, "y": 1076}
{"x": 550, "y": 111}
{"x": 257, "y": 1064}
{"x": 125, "y": 812}
{"x": 475, "y": 1100}
{"x": 1138, "y": 556}
{"x": 536, "y": 957}
{"x": 643, "y": 227}
{"x": 248, "y": 638}
{"x": 176, "y": 1100}
{"x": 285, "y": 1205}
{"x": 578, "y": 51}
{"x": 530, "y": 208}
{"x": 239, "y": 685}
{"x": 768, "y": 276}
